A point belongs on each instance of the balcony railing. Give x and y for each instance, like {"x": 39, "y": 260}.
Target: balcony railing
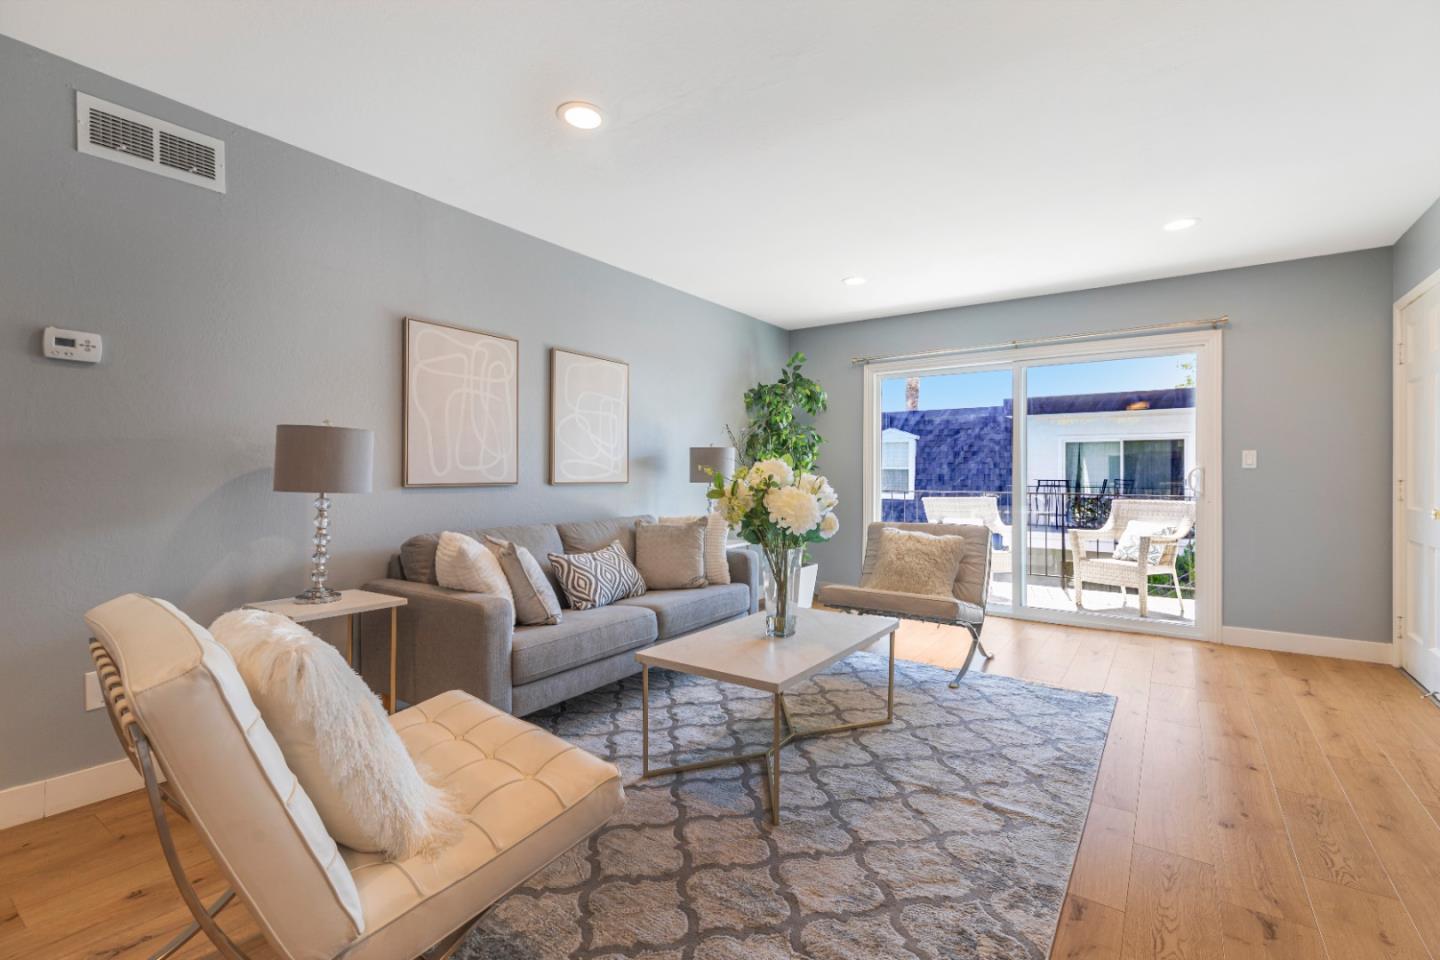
{"x": 1054, "y": 509}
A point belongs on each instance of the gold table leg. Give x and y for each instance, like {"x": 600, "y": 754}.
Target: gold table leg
{"x": 776, "y": 709}
{"x": 771, "y": 757}
{"x": 394, "y": 694}
{"x": 645, "y": 722}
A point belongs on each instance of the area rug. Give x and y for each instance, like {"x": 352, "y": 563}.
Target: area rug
{"x": 948, "y": 834}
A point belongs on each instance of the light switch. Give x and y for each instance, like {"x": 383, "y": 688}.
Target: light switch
{"x": 1249, "y": 459}
{"x": 93, "y": 698}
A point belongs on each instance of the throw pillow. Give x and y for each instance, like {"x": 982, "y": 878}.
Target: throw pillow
{"x": 535, "y": 600}
{"x": 671, "y": 556}
{"x": 1128, "y": 546}
{"x": 598, "y": 578}
{"x": 463, "y": 563}
{"x": 912, "y": 561}
{"x": 717, "y": 564}
{"x": 336, "y": 738}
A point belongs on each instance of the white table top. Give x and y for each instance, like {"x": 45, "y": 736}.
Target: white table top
{"x": 350, "y": 602}
{"x": 739, "y": 652}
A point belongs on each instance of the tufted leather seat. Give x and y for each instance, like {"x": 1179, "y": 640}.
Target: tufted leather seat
{"x": 527, "y": 795}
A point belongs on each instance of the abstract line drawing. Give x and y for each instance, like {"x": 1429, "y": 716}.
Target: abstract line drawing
{"x": 589, "y": 418}
{"x": 462, "y": 418}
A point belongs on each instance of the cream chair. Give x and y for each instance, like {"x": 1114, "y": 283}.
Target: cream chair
{"x": 982, "y": 510}
{"x": 179, "y": 707}
{"x": 1179, "y": 514}
{"x": 965, "y": 607}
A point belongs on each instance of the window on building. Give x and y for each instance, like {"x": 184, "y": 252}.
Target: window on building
{"x": 897, "y": 462}
{"x": 1154, "y": 467}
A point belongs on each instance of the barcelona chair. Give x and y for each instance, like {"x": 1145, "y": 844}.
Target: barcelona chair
{"x": 182, "y": 712}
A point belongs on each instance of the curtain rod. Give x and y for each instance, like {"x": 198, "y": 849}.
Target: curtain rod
{"x": 1212, "y": 323}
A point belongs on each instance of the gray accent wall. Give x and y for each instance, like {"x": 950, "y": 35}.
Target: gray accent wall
{"x": 1306, "y": 383}
{"x": 279, "y": 302}
{"x": 1417, "y": 253}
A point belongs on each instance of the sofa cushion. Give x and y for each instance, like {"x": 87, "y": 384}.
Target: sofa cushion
{"x": 582, "y": 637}
{"x": 587, "y": 536}
{"x": 528, "y": 795}
{"x": 417, "y": 555}
{"x": 681, "y": 611}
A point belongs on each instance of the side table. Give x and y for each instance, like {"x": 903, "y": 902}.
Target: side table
{"x": 351, "y": 604}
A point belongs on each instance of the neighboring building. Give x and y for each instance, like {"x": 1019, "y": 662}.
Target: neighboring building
{"x": 1137, "y": 442}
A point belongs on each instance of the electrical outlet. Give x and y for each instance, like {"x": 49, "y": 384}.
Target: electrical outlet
{"x": 93, "y": 699}
{"x": 1249, "y": 460}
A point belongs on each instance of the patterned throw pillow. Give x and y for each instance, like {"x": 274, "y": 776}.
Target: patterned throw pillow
{"x": 596, "y": 579}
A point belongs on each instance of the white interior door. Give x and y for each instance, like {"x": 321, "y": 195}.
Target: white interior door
{"x": 1417, "y": 514}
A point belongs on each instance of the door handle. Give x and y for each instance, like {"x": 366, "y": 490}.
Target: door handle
{"x": 1195, "y": 480}
{"x": 1435, "y": 513}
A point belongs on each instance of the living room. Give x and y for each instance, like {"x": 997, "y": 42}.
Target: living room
{"x": 719, "y": 480}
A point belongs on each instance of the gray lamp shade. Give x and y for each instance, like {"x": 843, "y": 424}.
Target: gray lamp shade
{"x": 323, "y": 459}
{"x": 719, "y": 459}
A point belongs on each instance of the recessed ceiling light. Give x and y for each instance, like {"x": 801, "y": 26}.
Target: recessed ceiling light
{"x": 578, "y": 113}
{"x": 1184, "y": 223}
{"x": 853, "y": 281}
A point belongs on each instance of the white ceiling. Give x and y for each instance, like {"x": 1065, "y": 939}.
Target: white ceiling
{"x": 755, "y": 152}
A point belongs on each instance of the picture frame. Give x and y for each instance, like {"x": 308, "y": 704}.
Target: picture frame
{"x": 589, "y": 418}
{"x": 461, "y": 406}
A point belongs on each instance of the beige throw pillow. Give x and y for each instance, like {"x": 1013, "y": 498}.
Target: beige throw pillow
{"x": 336, "y": 738}
{"x": 671, "y": 556}
{"x": 717, "y": 564}
{"x": 535, "y": 600}
{"x": 911, "y": 561}
{"x": 463, "y": 563}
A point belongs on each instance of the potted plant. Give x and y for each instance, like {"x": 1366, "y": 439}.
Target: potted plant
{"x": 780, "y": 509}
{"x": 773, "y": 432}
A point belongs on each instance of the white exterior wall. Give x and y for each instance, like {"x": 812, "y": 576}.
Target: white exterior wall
{"x": 1049, "y": 433}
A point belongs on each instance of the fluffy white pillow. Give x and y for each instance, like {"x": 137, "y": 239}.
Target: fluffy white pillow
{"x": 463, "y": 563}
{"x": 336, "y": 739}
{"x": 912, "y": 561}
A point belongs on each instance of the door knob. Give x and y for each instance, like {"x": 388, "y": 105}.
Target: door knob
{"x": 1435, "y": 513}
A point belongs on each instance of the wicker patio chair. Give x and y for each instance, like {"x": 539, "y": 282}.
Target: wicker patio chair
{"x": 965, "y": 607}
{"x": 973, "y": 509}
{"x": 1134, "y": 573}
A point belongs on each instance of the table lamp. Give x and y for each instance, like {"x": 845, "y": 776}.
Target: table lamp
{"x": 705, "y": 461}
{"x": 322, "y": 460}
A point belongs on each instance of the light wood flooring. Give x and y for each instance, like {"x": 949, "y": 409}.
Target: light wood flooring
{"x": 1250, "y": 806}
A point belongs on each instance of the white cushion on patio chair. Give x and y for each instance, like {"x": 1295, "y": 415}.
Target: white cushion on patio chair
{"x": 528, "y": 795}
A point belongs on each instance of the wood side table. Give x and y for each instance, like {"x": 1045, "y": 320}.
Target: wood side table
{"x": 351, "y": 604}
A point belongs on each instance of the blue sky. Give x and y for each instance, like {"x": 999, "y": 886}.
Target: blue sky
{"x": 989, "y": 388}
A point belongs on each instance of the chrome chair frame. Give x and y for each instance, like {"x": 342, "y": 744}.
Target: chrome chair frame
{"x": 142, "y": 755}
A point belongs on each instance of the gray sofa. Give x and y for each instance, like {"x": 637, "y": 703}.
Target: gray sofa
{"x": 449, "y": 639}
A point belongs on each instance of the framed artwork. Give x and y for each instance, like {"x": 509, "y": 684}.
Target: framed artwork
{"x": 462, "y": 406}
{"x": 589, "y": 418}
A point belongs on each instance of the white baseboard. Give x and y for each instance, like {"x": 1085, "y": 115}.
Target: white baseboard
{"x": 1338, "y": 647}
{"x": 45, "y": 798}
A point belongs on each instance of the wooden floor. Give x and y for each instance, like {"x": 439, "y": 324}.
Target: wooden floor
{"x": 1250, "y": 806}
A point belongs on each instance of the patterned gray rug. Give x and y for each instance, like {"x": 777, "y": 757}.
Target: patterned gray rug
{"x": 949, "y": 834}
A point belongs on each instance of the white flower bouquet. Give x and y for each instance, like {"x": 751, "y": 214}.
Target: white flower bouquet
{"x": 780, "y": 511}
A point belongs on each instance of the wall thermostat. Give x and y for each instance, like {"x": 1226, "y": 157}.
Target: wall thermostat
{"x": 72, "y": 345}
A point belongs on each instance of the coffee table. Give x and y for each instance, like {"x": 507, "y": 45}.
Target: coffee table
{"x": 738, "y": 651}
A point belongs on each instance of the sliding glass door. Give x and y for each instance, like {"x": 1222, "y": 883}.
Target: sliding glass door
{"x": 1109, "y": 447}
{"x": 946, "y": 455}
{"x": 1112, "y": 446}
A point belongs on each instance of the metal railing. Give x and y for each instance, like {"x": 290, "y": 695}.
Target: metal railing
{"x": 1054, "y": 509}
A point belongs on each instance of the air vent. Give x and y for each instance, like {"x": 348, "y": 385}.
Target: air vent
{"x": 148, "y": 143}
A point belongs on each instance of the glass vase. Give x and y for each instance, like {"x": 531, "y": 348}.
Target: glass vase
{"x": 782, "y": 590}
